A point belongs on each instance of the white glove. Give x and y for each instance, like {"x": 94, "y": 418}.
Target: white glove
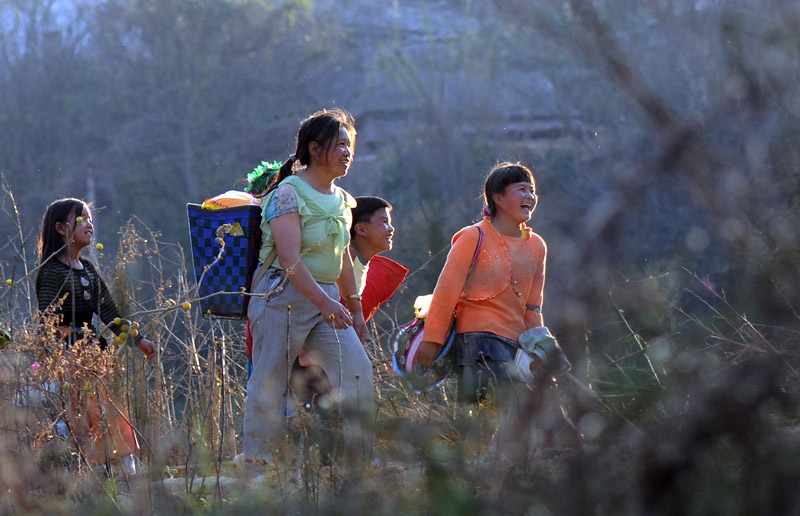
{"x": 541, "y": 343}
{"x": 520, "y": 368}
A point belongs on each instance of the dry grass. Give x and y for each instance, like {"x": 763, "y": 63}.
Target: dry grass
{"x": 658, "y": 418}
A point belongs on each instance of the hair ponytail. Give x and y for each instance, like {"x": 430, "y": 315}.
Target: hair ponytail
{"x": 286, "y": 170}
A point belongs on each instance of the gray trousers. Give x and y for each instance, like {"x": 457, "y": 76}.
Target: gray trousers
{"x": 281, "y": 326}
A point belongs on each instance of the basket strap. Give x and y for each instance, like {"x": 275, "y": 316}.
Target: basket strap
{"x": 263, "y": 270}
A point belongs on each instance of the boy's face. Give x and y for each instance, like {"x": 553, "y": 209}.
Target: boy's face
{"x": 377, "y": 233}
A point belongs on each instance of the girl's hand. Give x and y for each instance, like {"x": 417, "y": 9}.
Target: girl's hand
{"x": 148, "y": 348}
{"x": 336, "y": 315}
{"x": 427, "y": 352}
{"x": 63, "y": 332}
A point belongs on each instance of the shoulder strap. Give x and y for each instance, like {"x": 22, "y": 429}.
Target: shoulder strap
{"x": 263, "y": 270}
{"x": 471, "y": 265}
{"x": 477, "y": 249}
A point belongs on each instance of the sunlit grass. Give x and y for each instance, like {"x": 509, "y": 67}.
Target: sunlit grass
{"x": 429, "y": 454}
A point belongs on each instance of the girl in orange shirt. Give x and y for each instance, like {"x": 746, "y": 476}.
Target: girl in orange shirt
{"x": 499, "y": 298}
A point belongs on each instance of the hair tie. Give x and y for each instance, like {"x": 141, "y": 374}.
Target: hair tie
{"x": 487, "y": 213}
{"x": 292, "y": 157}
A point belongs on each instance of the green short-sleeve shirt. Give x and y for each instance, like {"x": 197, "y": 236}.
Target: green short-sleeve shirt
{"x": 324, "y": 228}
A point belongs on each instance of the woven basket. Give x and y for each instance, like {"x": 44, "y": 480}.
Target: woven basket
{"x": 234, "y": 271}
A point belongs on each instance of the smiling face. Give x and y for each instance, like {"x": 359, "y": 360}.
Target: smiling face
{"x": 512, "y": 186}
{"x": 337, "y": 157}
{"x": 375, "y": 235}
{"x": 517, "y": 202}
{"x": 78, "y": 230}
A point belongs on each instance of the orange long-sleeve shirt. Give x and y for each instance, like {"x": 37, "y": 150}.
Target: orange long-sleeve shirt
{"x": 504, "y": 291}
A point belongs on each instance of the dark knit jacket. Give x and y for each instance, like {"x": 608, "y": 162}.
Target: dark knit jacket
{"x": 86, "y": 295}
